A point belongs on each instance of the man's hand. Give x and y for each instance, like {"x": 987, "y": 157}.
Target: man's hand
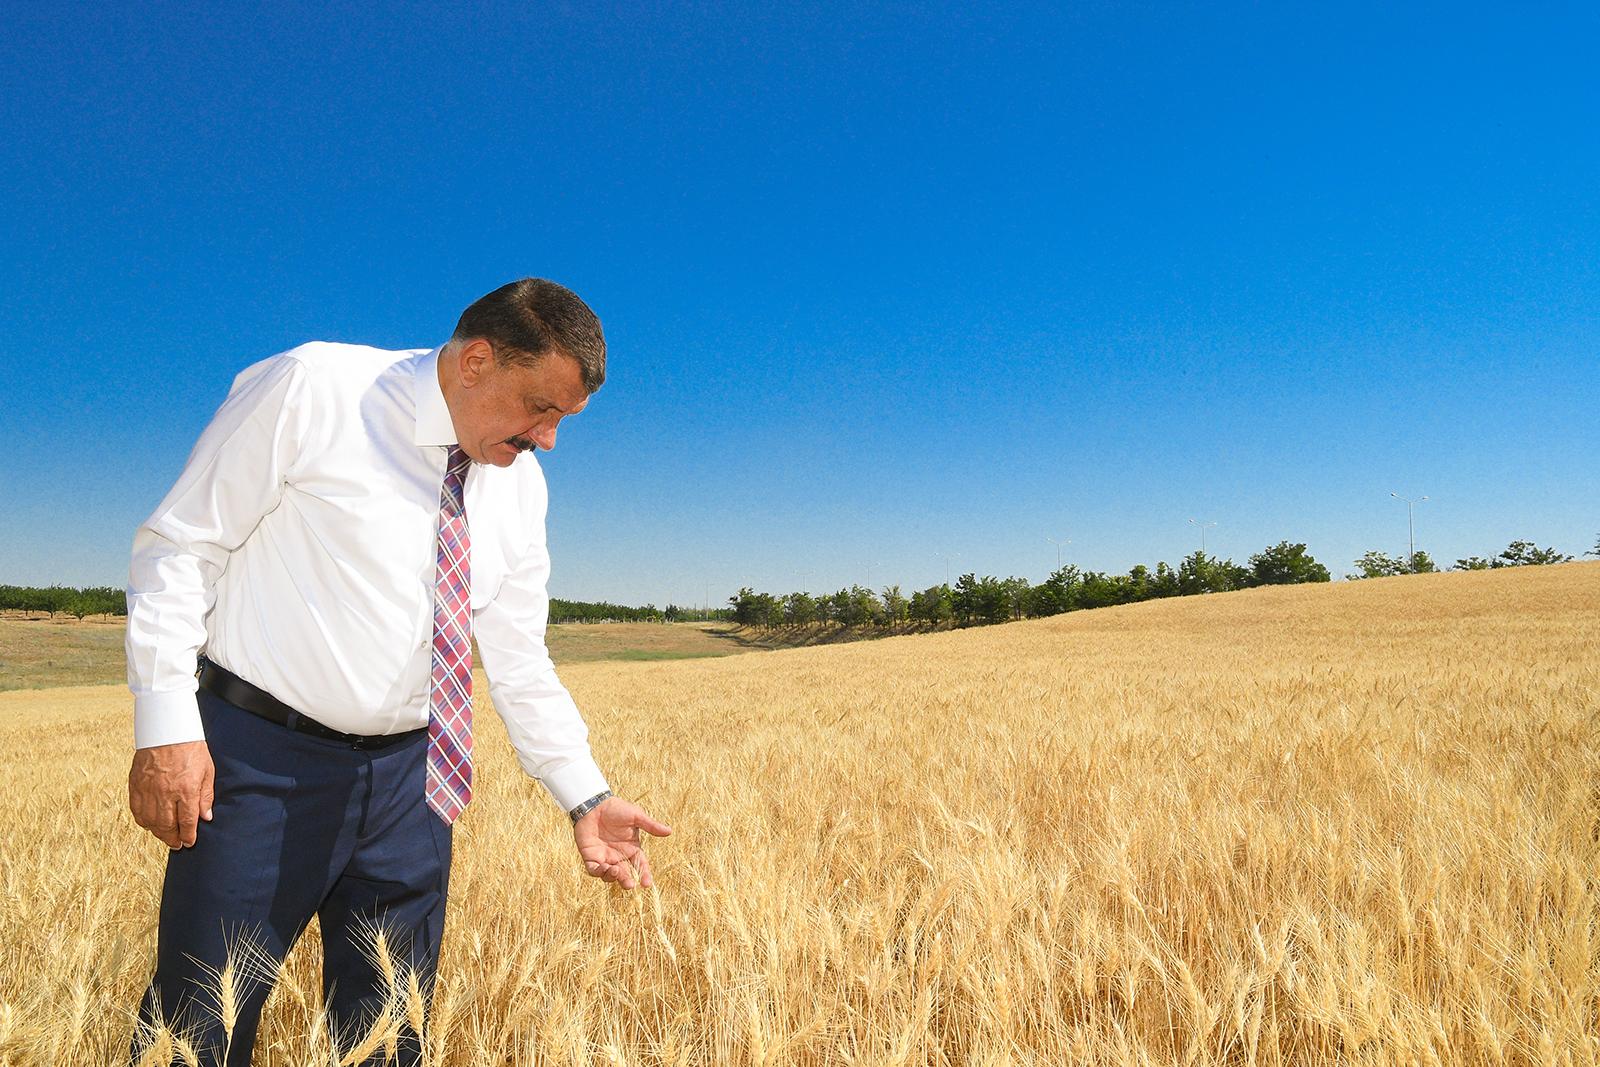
{"x": 170, "y": 789}
{"x": 608, "y": 840}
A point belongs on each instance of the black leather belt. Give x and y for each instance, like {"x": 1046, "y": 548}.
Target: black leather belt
{"x": 223, "y": 683}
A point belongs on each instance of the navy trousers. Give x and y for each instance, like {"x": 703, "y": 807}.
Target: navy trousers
{"x": 302, "y": 826}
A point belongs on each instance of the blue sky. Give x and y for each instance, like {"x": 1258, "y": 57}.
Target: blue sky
{"x": 879, "y": 280}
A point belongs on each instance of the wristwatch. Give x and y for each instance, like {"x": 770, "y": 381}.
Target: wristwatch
{"x": 589, "y": 805}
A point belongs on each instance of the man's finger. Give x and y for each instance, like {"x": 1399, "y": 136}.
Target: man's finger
{"x": 642, "y": 821}
{"x": 625, "y": 875}
{"x": 188, "y": 820}
{"x": 165, "y": 828}
{"x": 208, "y": 792}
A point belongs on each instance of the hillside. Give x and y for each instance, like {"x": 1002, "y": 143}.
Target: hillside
{"x": 1309, "y": 824}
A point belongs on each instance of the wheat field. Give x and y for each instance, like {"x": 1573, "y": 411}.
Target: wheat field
{"x": 1354, "y": 823}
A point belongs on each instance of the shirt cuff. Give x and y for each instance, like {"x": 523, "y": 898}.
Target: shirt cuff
{"x": 169, "y": 719}
{"x": 573, "y": 783}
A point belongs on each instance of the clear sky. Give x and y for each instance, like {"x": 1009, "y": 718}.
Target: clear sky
{"x": 879, "y": 280}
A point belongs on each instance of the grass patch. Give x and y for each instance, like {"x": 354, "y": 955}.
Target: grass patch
{"x": 634, "y": 655}
{"x": 44, "y": 654}
{"x": 632, "y": 642}
{"x": 47, "y": 654}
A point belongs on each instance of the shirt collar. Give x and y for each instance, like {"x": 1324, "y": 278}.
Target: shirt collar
{"x": 434, "y": 426}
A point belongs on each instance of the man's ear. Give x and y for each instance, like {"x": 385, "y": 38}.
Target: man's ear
{"x": 475, "y": 360}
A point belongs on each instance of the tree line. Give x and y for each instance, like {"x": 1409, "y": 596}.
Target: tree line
{"x": 1517, "y": 554}
{"x": 56, "y": 600}
{"x": 970, "y": 600}
{"x": 990, "y": 600}
{"x": 564, "y": 611}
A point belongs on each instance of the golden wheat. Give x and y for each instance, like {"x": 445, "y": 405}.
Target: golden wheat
{"x": 1346, "y": 824}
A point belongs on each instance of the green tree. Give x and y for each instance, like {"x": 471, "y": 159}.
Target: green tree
{"x": 986, "y": 599}
{"x": 964, "y": 599}
{"x": 1473, "y": 563}
{"x": 1528, "y": 554}
{"x": 1138, "y": 584}
{"x": 583, "y": 611}
{"x": 864, "y": 606}
{"x": 50, "y": 600}
{"x": 799, "y": 609}
{"x": 1381, "y": 565}
{"x": 748, "y": 610}
{"x": 1377, "y": 564}
{"x": 1201, "y": 573}
{"x": 1099, "y": 590}
{"x": 1016, "y": 592}
{"x": 895, "y": 606}
{"x": 855, "y": 606}
{"x": 1163, "y": 583}
{"x": 1286, "y": 564}
{"x": 828, "y": 608}
{"x": 933, "y": 605}
{"x": 1054, "y": 596}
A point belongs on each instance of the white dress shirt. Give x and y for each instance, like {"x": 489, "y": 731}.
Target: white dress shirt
{"x": 298, "y": 550}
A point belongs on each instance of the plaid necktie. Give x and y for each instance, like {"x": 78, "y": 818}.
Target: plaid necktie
{"x": 450, "y": 696}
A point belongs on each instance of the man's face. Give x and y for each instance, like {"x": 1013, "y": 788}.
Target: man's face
{"x": 500, "y": 409}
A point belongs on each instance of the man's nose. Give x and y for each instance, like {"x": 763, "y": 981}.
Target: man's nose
{"x": 544, "y": 436}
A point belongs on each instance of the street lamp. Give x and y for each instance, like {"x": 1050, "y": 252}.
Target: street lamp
{"x": 708, "y": 586}
{"x": 1058, "y": 545}
{"x": 947, "y": 560}
{"x": 869, "y": 567}
{"x": 1203, "y": 534}
{"x": 1411, "y": 526}
{"x": 802, "y": 575}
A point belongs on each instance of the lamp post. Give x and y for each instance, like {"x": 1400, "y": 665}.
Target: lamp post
{"x": 1058, "y": 545}
{"x": 1203, "y": 530}
{"x": 947, "y": 560}
{"x": 802, "y": 575}
{"x": 1411, "y": 527}
{"x": 708, "y": 600}
{"x": 869, "y": 567}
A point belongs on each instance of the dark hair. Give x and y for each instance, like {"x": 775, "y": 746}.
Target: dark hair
{"x": 525, "y": 320}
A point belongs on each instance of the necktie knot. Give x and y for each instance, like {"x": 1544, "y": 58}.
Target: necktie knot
{"x": 453, "y": 494}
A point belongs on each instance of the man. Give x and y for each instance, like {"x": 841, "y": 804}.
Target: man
{"x": 347, "y": 524}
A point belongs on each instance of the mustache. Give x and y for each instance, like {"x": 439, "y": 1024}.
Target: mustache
{"x": 522, "y": 443}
